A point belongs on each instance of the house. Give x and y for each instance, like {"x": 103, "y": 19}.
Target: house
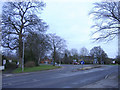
{"x": 46, "y": 61}
{"x": 86, "y": 59}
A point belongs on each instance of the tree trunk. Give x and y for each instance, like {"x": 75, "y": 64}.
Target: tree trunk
{"x": 39, "y": 61}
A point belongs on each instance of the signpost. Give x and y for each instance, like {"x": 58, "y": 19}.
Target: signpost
{"x": 74, "y": 61}
{"x": 82, "y": 62}
{"x": 10, "y": 61}
{"x": 4, "y": 62}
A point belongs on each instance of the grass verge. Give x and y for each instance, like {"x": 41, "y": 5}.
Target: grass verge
{"x": 37, "y": 68}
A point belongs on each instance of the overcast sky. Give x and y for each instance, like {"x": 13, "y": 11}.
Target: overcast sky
{"x": 70, "y": 20}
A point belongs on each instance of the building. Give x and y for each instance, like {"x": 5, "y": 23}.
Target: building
{"x": 46, "y": 61}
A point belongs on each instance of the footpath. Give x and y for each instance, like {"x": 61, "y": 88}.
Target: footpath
{"x": 110, "y": 81}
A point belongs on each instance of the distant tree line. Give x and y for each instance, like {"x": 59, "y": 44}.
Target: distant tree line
{"x": 96, "y": 52}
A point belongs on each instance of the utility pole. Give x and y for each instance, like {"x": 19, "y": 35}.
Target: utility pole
{"x": 23, "y": 57}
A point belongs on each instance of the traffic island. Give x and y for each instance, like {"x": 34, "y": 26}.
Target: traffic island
{"x": 86, "y": 68}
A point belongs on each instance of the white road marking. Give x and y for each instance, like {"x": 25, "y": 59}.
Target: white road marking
{"x": 106, "y": 76}
{"x": 8, "y": 75}
{"x": 66, "y": 87}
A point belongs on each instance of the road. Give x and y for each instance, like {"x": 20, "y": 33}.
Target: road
{"x": 66, "y": 77}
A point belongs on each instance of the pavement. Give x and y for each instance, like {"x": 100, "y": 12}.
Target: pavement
{"x": 67, "y": 77}
{"x": 9, "y": 74}
{"x": 110, "y": 81}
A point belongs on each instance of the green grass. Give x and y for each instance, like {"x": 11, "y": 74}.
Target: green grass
{"x": 119, "y": 76}
{"x": 37, "y": 68}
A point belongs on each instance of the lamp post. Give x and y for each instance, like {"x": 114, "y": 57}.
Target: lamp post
{"x": 23, "y": 56}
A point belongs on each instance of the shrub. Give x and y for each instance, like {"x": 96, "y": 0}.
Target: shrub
{"x": 107, "y": 61}
{"x": 15, "y": 61}
{"x": 88, "y": 61}
{"x": 30, "y": 64}
{"x": 10, "y": 65}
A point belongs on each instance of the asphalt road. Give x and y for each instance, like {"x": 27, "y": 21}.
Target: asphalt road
{"x": 66, "y": 77}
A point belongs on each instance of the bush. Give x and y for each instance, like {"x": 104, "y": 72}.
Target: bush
{"x": 107, "y": 61}
{"x": 15, "y": 61}
{"x": 30, "y": 64}
{"x": 88, "y": 61}
{"x": 10, "y": 65}
{"x": 117, "y": 60}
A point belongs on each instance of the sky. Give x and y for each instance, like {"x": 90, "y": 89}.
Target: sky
{"x": 69, "y": 19}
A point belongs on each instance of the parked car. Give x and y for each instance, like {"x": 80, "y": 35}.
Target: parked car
{"x": 76, "y": 63}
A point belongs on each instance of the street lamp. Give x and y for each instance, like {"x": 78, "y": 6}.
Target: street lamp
{"x": 23, "y": 56}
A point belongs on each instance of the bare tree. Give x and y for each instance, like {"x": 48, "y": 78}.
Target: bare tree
{"x": 84, "y": 51}
{"x": 107, "y": 20}
{"x": 99, "y": 53}
{"x": 67, "y": 57}
{"x": 36, "y": 47}
{"x": 58, "y": 45}
{"x": 74, "y": 53}
{"x": 18, "y": 19}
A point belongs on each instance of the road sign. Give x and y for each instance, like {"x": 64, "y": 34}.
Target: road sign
{"x": 82, "y": 62}
{"x": 113, "y": 61}
{"x": 2, "y": 67}
{"x": 17, "y": 63}
{"x": 74, "y": 60}
{"x": 4, "y": 62}
{"x": 10, "y": 61}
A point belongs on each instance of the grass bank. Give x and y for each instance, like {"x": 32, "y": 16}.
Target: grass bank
{"x": 37, "y": 68}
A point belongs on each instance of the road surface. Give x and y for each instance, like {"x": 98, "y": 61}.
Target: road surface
{"x": 66, "y": 77}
